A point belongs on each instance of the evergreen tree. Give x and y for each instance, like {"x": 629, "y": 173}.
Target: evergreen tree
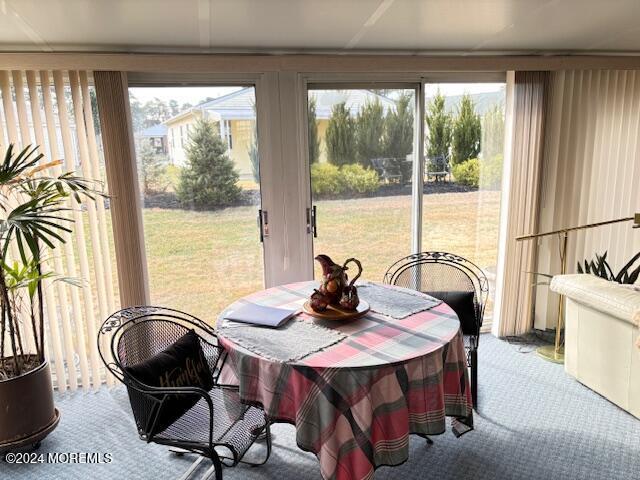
{"x": 398, "y": 132}
{"x": 466, "y": 134}
{"x": 439, "y": 126}
{"x": 209, "y": 179}
{"x": 369, "y": 132}
{"x": 341, "y": 136}
{"x": 314, "y": 141}
{"x": 493, "y": 132}
{"x": 398, "y": 135}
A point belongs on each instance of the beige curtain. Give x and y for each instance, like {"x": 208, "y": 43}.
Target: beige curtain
{"x": 591, "y": 171}
{"x": 525, "y": 150}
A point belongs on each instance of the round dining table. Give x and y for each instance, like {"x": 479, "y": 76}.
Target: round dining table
{"x": 354, "y": 390}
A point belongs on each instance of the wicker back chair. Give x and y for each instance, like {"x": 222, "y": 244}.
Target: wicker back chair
{"x": 437, "y": 273}
{"x": 218, "y": 427}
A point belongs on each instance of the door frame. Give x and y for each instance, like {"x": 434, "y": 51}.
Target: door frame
{"x": 355, "y": 81}
{"x": 269, "y": 156}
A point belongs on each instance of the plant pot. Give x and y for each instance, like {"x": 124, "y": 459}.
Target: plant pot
{"x": 27, "y": 413}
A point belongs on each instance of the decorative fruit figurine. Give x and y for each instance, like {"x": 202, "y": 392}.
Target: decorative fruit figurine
{"x": 349, "y": 299}
{"x": 334, "y": 279}
{"x": 319, "y": 302}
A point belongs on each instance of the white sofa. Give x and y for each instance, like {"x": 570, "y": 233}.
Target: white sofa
{"x": 602, "y": 337}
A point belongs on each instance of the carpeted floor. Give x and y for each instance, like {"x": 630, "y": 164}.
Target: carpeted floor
{"x": 534, "y": 422}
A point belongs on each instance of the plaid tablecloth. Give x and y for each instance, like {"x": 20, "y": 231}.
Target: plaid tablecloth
{"x": 355, "y": 403}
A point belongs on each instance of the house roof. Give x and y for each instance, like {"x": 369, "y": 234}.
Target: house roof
{"x": 240, "y": 105}
{"x": 159, "y": 130}
{"x": 354, "y": 99}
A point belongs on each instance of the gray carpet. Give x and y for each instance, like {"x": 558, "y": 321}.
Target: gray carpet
{"x": 534, "y": 422}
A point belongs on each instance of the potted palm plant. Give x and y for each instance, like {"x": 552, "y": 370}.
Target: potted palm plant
{"x": 33, "y": 219}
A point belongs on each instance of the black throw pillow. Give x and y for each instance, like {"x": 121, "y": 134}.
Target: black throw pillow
{"x": 182, "y": 364}
{"x": 462, "y": 304}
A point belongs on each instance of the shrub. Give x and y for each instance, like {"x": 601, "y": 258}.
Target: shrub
{"x": 152, "y": 168}
{"x": 329, "y": 180}
{"x": 325, "y": 179}
{"x": 357, "y": 179}
{"x": 173, "y": 174}
{"x": 467, "y": 172}
{"x": 491, "y": 173}
{"x": 209, "y": 180}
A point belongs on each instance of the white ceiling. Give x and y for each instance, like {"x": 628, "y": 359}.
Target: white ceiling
{"x": 436, "y": 26}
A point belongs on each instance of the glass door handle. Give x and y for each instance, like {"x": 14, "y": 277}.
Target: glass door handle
{"x": 263, "y": 224}
{"x": 314, "y": 221}
{"x": 311, "y": 221}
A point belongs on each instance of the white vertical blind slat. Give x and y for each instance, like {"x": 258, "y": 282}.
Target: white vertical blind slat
{"x": 69, "y": 254}
{"x": 99, "y": 256}
{"x": 25, "y": 138}
{"x": 95, "y": 166}
{"x": 53, "y": 341}
{"x": 7, "y": 104}
{"x": 78, "y": 228}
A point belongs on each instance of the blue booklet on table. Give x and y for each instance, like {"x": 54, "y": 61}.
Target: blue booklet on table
{"x": 261, "y": 315}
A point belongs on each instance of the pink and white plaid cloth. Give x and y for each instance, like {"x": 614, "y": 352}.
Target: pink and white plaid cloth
{"x": 355, "y": 403}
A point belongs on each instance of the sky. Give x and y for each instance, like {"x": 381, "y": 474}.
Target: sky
{"x": 454, "y": 89}
{"x": 194, "y": 95}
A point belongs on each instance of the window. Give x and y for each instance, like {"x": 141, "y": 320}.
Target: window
{"x": 464, "y": 142}
{"x": 229, "y": 134}
{"x": 202, "y": 243}
{"x": 361, "y": 144}
{"x": 363, "y": 167}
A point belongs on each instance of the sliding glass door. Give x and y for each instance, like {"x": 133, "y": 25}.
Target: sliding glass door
{"x": 379, "y": 195}
{"x": 390, "y": 170}
{"x": 464, "y": 143}
{"x": 198, "y": 172}
{"x": 361, "y": 154}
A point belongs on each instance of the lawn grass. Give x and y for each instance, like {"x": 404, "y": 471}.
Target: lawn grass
{"x": 200, "y": 262}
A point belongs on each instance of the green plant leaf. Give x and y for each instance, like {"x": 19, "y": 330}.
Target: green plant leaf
{"x": 633, "y": 276}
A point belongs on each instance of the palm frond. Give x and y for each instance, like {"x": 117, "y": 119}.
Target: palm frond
{"x": 13, "y": 168}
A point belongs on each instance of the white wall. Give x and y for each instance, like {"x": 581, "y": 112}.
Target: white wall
{"x": 591, "y": 171}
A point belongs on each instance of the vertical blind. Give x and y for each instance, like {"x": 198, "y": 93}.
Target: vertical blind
{"x": 54, "y": 111}
{"x": 592, "y": 170}
{"x": 523, "y": 189}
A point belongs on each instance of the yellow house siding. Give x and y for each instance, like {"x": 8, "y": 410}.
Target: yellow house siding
{"x": 178, "y": 135}
{"x": 242, "y": 136}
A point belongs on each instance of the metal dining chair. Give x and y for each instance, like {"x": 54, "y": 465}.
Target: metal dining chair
{"x": 205, "y": 419}
{"x": 456, "y": 281}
